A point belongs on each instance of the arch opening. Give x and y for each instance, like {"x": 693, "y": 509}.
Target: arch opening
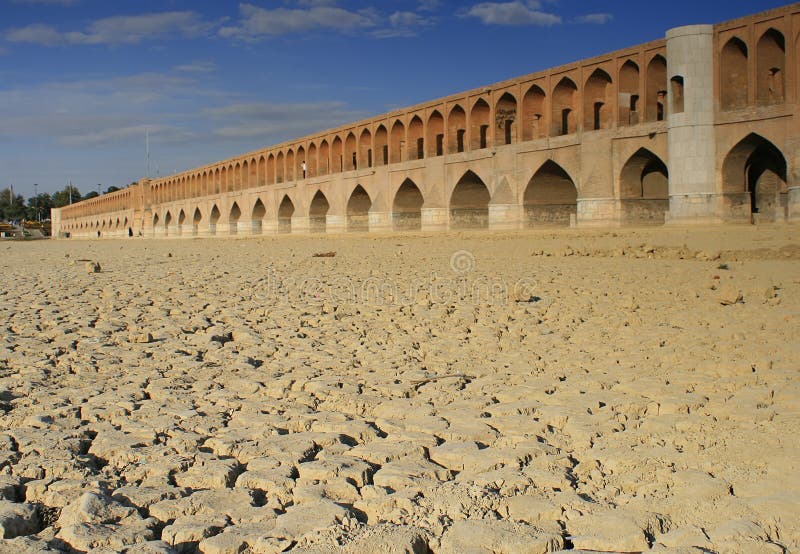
{"x": 656, "y": 96}
{"x": 381, "y": 146}
{"x": 644, "y": 188}
{"x": 233, "y": 219}
{"x": 596, "y": 99}
{"x": 416, "y": 139}
{"x": 358, "y": 207}
{"x": 317, "y": 213}
{"x": 285, "y": 213}
{"x": 435, "y": 134}
{"x": 551, "y": 197}
{"x": 213, "y": 220}
{"x": 457, "y": 130}
{"x": 397, "y": 142}
{"x": 734, "y": 84}
{"x": 628, "y": 94}
{"x": 407, "y": 207}
{"x": 771, "y": 68}
{"x": 564, "y": 120}
{"x": 479, "y": 125}
{"x": 533, "y": 114}
{"x": 469, "y": 203}
{"x": 754, "y": 179}
{"x": 505, "y": 115}
{"x": 257, "y": 216}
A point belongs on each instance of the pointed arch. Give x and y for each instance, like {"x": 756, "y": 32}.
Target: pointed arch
{"x": 279, "y": 167}
{"x": 644, "y": 188}
{"x": 628, "y": 94}
{"x": 597, "y": 101}
{"x": 299, "y": 160}
{"x": 533, "y": 106}
{"x": 734, "y": 84}
{"x": 290, "y": 166}
{"x": 261, "y": 178}
{"x": 358, "y": 207}
{"x": 318, "y": 212}
{"x": 233, "y": 219}
{"x": 312, "y": 163}
{"x": 381, "y": 146}
{"x": 407, "y": 207}
{"x": 479, "y": 125}
{"x": 416, "y": 139}
{"x": 434, "y": 135}
{"x": 257, "y": 216}
{"x": 271, "y": 169}
{"x": 181, "y": 217}
{"x": 397, "y": 142}
{"x": 551, "y": 197}
{"x": 656, "y": 94}
{"x": 337, "y": 155}
{"x": 350, "y": 152}
{"x": 285, "y": 213}
{"x": 365, "y": 157}
{"x": 756, "y": 168}
{"x": 213, "y": 219}
{"x": 469, "y": 203}
{"x": 456, "y": 130}
{"x": 563, "y": 118}
{"x": 771, "y": 68}
{"x": 505, "y": 112}
{"x": 324, "y": 159}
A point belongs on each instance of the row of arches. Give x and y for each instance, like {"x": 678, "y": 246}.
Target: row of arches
{"x": 471, "y": 124}
{"x": 738, "y": 65}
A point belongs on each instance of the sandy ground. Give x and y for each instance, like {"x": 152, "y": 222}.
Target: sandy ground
{"x": 625, "y": 391}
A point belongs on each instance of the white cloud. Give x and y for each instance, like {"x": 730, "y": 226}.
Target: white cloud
{"x": 595, "y": 18}
{"x": 128, "y": 29}
{"x": 513, "y": 13}
{"x": 196, "y": 67}
{"x": 257, "y": 22}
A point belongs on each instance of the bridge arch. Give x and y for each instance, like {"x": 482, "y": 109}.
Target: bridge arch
{"x": 213, "y": 219}
{"x": 197, "y": 218}
{"x": 233, "y": 219}
{"x": 457, "y": 130}
{"x": 628, "y": 84}
{"x": 469, "y": 203}
{"x": 365, "y": 155}
{"x": 337, "y": 158}
{"x": 771, "y": 68}
{"x": 358, "y": 207}
{"x": 318, "y": 213}
{"x": 285, "y": 213}
{"x": 506, "y": 118}
{"x": 279, "y": 167}
{"x": 435, "y": 134}
{"x": 756, "y": 168}
{"x": 656, "y": 93}
{"x": 312, "y": 161}
{"x": 479, "y": 124}
{"x": 551, "y": 197}
{"x": 563, "y": 117}
{"x": 350, "y": 153}
{"x": 381, "y": 146}
{"x": 407, "y": 207}
{"x": 257, "y": 216}
{"x": 597, "y": 101}
{"x": 734, "y": 83}
{"x": 298, "y": 164}
{"x": 644, "y": 188}
{"x": 289, "y": 171}
{"x": 533, "y": 112}
{"x": 271, "y": 169}
{"x": 416, "y": 139}
{"x": 324, "y": 159}
{"x": 397, "y": 141}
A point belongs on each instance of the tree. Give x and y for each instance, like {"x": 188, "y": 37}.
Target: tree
{"x": 39, "y": 207}
{"x": 62, "y": 197}
{"x": 112, "y": 188}
{"x": 92, "y": 194}
{"x": 12, "y": 207}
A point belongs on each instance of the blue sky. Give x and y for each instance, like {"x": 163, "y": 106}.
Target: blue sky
{"x": 81, "y": 80}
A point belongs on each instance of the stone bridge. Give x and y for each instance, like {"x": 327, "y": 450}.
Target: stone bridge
{"x": 701, "y": 126}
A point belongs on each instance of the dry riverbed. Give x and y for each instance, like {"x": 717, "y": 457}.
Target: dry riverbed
{"x": 624, "y": 391}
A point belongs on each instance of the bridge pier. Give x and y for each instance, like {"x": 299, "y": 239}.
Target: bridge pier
{"x": 793, "y": 204}
{"x": 188, "y": 230}
{"x": 435, "y": 219}
{"x": 506, "y": 217}
{"x": 335, "y": 224}
{"x": 380, "y": 222}
{"x": 599, "y": 212}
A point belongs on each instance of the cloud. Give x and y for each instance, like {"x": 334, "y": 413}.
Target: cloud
{"x": 403, "y": 24}
{"x": 256, "y": 22}
{"x": 196, "y": 67}
{"x": 128, "y": 29}
{"x": 516, "y": 13}
{"x": 595, "y": 18}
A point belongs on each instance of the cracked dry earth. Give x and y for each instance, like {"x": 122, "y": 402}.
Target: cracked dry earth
{"x": 623, "y": 391}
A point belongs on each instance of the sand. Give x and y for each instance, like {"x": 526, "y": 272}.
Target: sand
{"x": 630, "y": 390}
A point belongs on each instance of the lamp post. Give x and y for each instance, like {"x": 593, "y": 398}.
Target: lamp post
{"x": 36, "y": 201}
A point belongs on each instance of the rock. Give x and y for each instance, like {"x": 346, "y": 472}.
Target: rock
{"x": 18, "y": 520}
{"x": 140, "y": 338}
{"x": 729, "y": 295}
{"x": 92, "y": 267}
{"x": 389, "y": 539}
{"x": 486, "y": 536}
{"x": 607, "y": 532}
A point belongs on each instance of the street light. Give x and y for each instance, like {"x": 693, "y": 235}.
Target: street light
{"x": 36, "y": 201}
